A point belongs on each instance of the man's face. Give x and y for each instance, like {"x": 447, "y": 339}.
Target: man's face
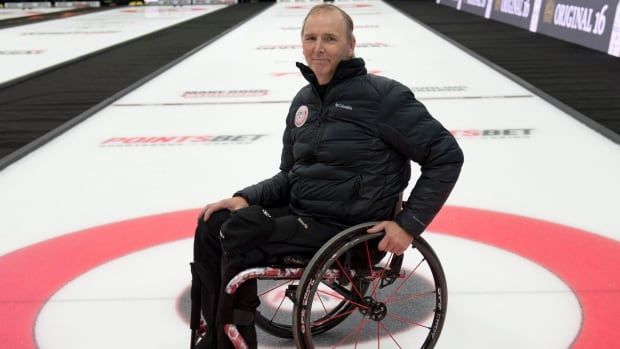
{"x": 325, "y": 43}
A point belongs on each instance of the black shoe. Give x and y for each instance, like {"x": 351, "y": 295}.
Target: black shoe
{"x": 206, "y": 343}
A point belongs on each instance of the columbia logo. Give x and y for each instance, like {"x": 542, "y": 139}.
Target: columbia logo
{"x": 344, "y": 106}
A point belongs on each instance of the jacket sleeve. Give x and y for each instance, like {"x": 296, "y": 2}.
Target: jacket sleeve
{"x": 407, "y": 126}
{"x": 274, "y": 191}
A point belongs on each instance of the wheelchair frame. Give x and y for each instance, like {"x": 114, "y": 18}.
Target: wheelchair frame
{"x": 345, "y": 269}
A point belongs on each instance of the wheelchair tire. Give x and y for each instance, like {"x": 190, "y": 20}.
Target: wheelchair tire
{"x": 406, "y": 306}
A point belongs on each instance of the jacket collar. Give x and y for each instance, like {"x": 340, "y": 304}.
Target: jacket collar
{"x": 345, "y": 70}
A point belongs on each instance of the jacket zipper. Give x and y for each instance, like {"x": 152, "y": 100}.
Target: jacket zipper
{"x": 319, "y": 124}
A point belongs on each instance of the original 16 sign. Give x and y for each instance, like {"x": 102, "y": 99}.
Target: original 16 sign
{"x": 588, "y": 23}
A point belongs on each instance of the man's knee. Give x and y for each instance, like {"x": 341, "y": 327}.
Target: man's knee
{"x": 206, "y": 239}
{"x": 213, "y": 225}
{"x": 245, "y": 229}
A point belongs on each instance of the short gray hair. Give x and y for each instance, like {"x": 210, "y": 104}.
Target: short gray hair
{"x": 329, "y": 7}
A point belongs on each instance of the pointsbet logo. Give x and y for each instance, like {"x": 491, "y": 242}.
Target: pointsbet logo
{"x": 455, "y": 88}
{"x": 146, "y": 141}
{"x": 492, "y": 133}
{"x": 225, "y": 93}
{"x": 21, "y": 52}
{"x": 77, "y": 32}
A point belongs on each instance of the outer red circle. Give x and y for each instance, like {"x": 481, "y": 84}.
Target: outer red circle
{"x": 587, "y": 262}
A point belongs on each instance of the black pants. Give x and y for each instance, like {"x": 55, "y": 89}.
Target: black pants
{"x": 293, "y": 235}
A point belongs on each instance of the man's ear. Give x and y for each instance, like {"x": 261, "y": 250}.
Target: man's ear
{"x": 352, "y": 47}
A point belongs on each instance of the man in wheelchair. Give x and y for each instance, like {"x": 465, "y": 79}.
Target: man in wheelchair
{"x": 347, "y": 146}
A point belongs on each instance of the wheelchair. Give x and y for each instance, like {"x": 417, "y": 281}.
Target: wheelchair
{"x": 380, "y": 300}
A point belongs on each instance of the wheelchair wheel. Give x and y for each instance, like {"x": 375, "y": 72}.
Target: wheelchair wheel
{"x": 274, "y": 313}
{"x": 403, "y": 305}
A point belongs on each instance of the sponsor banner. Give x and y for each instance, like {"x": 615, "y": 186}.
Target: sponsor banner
{"x": 297, "y": 1}
{"x": 72, "y": 4}
{"x": 149, "y": 141}
{"x": 8, "y": 13}
{"x": 212, "y": 2}
{"x": 298, "y": 46}
{"x": 588, "y": 23}
{"x": 339, "y": 2}
{"x": 28, "y": 5}
{"x": 591, "y": 23}
{"x": 614, "y": 41}
{"x": 353, "y": 8}
{"x": 225, "y": 93}
{"x": 492, "y": 133}
{"x": 477, "y": 7}
{"x": 174, "y": 2}
{"x": 456, "y": 88}
{"x": 84, "y": 32}
{"x": 520, "y": 13}
{"x": 451, "y": 3}
{"x": 20, "y": 52}
{"x": 363, "y": 26}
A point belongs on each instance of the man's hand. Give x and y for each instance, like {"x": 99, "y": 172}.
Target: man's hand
{"x": 396, "y": 239}
{"x": 231, "y": 204}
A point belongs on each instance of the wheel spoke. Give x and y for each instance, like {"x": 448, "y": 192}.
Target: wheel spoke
{"x": 404, "y": 280}
{"x": 273, "y": 288}
{"x": 357, "y": 330}
{"x": 323, "y": 304}
{"x": 389, "y": 334}
{"x": 324, "y": 320}
{"x": 410, "y": 297}
{"x": 407, "y": 321}
{"x": 368, "y": 257}
{"x": 338, "y": 296}
{"x": 374, "y": 290}
{"x": 349, "y": 278}
{"x": 278, "y": 308}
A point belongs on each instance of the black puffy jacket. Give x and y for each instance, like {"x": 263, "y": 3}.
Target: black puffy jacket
{"x": 345, "y": 158}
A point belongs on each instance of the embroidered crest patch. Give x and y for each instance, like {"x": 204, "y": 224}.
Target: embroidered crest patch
{"x": 301, "y": 116}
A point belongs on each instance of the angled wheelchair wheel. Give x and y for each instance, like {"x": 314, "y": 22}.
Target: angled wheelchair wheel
{"x": 402, "y": 305}
{"x": 274, "y": 314}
